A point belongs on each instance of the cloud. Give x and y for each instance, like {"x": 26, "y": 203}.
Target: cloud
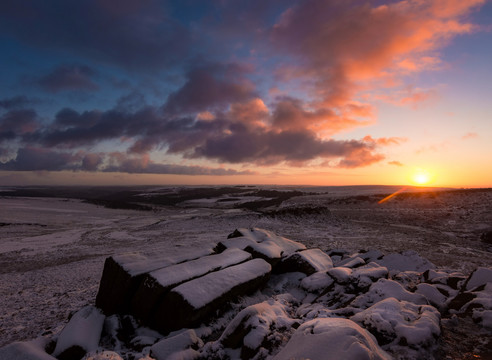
{"x": 396, "y": 163}
{"x": 17, "y": 123}
{"x": 211, "y": 86}
{"x": 15, "y": 102}
{"x": 143, "y": 165}
{"x": 69, "y": 77}
{"x": 384, "y": 141}
{"x": 41, "y": 159}
{"x": 470, "y": 135}
{"x": 327, "y": 58}
{"x": 344, "y": 47}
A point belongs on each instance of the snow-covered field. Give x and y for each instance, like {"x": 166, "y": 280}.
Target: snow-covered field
{"x": 52, "y": 250}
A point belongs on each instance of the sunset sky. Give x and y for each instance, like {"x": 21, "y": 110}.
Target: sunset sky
{"x": 333, "y": 92}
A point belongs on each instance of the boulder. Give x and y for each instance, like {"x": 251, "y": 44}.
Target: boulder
{"x": 478, "y": 277}
{"x": 80, "y": 335}
{"x": 250, "y": 328}
{"x": 174, "y": 346}
{"x": 401, "y": 322}
{"x": 383, "y": 289}
{"x": 29, "y": 350}
{"x": 194, "y": 301}
{"x": 352, "y": 262}
{"x": 306, "y": 261}
{"x": 122, "y": 275}
{"x": 406, "y": 261}
{"x": 332, "y": 339}
{"x": 157, "y": 283}
{"x": 261, "y": 244}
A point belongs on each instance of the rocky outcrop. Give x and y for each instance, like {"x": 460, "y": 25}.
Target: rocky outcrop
{"x": 80, "y": 335}
{"x": 194, "y": 301}
{"x": 158, "y": 283}
{"x": 123, "y": 274}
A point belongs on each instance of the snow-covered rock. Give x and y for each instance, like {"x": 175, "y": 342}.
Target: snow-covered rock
{"x": 317, "y": 282}
{"x": 261, "y": 243}
{"x": 123, "y": 274}
{"x": 399, "y": 322}
{"x": 306, "y": 261}
{"x": 383, "y": 289}
{"x": 332, "y": 338}
{"x": 406, "y": 261}
{"x": 250, "y": 328}
{"x": 435, "y": 297}
{"x": 479, "y": 277}
{"x": 181, "y": 346}
{"x": 352, "y": 262}
{"x": 157, "y": 283}
{"x": 196, "y": 300}
{"x": 102, "y": 355}
{"x": 80, "y": 335}
{"x": 28, "y": 350}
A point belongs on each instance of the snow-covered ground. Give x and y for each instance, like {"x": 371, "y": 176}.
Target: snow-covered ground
{"x": 52, "y": 250}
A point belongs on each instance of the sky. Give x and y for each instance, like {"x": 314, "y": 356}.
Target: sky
{"x": 307, "y": 92}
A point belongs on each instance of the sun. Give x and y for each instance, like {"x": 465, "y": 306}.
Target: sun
{"x": 421, "y": 177}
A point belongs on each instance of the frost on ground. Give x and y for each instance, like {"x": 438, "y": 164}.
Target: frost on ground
{"x": 396, "y": 278}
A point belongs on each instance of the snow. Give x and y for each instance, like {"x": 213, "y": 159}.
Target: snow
{"x": 179, "y": 273}
{"x": 408, "y": 260}
{"x": 177, "y": 347}
{"x": 204, "y": 290}
{"x": 32, "y": 350}
{"x": 317, "y": 282}
{"x": 432, "y": 294}
{"x": 352, "y": 262}
{"x": 137, "y": 263}
{"x": 52, "y": 254}
{"x": 383, "y": 289}
{"x": 258, "y": 320}
{"x": 269, "y": 241}
{"x": 332, "y": 338}
{"x": 103, "y": 355}
{"x": 83, "y": 329}
{"x": 317, "y": 258}
{"x": 340, "y": 274}
{"x": 479, "y": 277}
{"x": 396, "y": 320}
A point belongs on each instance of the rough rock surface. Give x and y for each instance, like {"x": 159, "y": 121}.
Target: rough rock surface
{"x": 368, "y": 305}
{"x": 306, "y": 261}
{"x": 332, "y": 338}
{"x": 194, "y": 301}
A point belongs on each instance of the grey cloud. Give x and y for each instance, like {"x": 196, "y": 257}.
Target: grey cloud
{"x": 39, "y": 159}
{"x": 69, "y": 77}
{"x": 15, "y": 102}
{"x": 211, "y": 86}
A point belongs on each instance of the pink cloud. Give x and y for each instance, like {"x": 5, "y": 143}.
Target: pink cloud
{"x": 470, "y": 135}
{"x": 345, "y": 48}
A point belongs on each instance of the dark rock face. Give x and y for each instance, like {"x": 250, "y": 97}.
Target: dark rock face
{"x": 486, "y": 237}
{"x": 307, "y": 262}
{"x": 156, "y": 284}
{"x": 116, "y": 288}
{"x": 194, "y": 301}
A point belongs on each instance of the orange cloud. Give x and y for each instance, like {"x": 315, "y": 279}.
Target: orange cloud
{"x": 384, "y": 141}
{"x": 396, "y": 163}
{"x": 347, "y": 47}
{"x": 470, "y": 135}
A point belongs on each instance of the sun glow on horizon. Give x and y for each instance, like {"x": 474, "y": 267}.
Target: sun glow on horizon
{"x": 421, "y": 177}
